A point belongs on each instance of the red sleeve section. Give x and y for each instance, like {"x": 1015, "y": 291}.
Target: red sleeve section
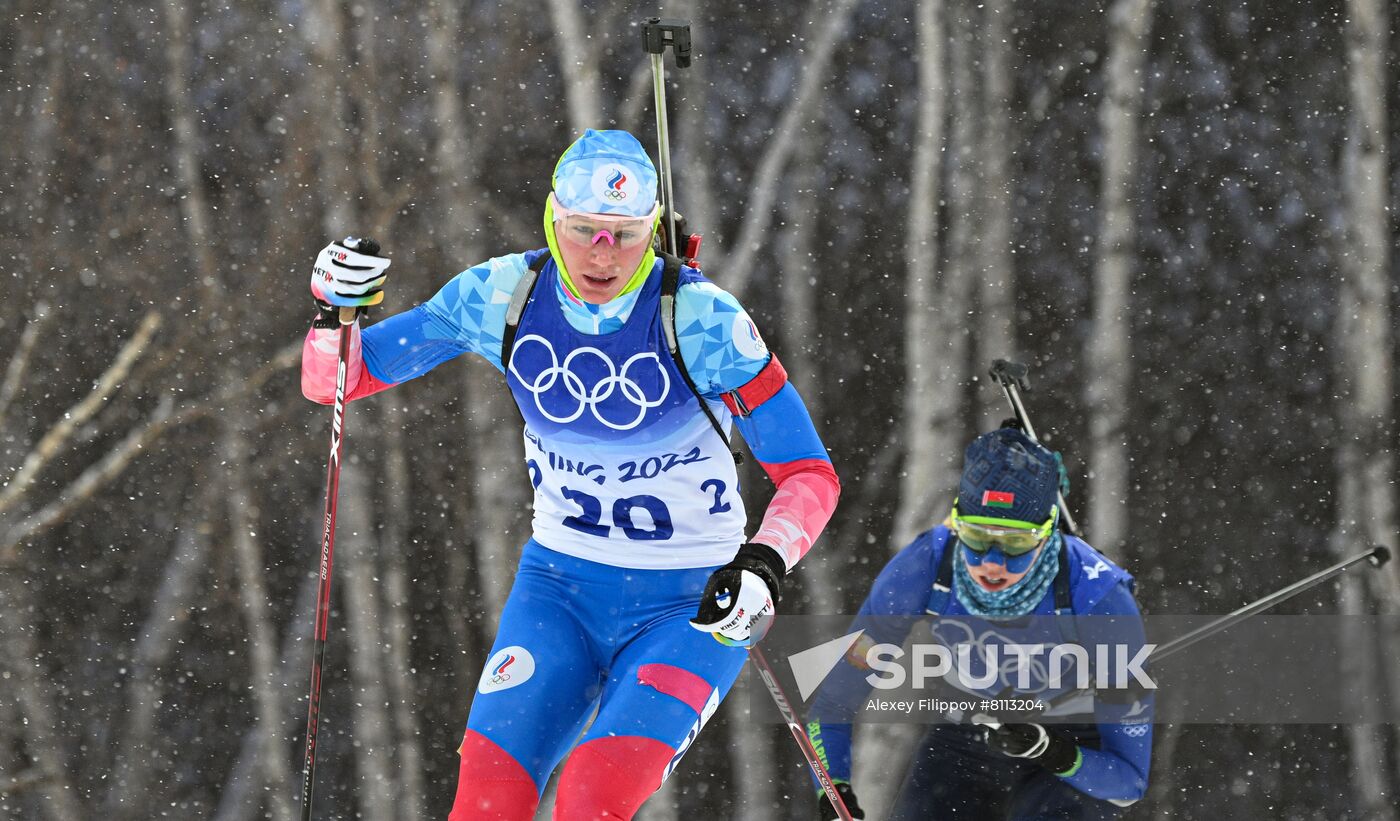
{"x": 320, "y": 360}
{"x": 801, "y": 507}
{"x": 764, "y": 386}
{"x": 780, "y": 472}
{"x": 368, "y": 386}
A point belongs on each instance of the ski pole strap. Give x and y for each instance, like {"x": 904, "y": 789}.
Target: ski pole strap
{"x": 942, "y": 592}
{"x": 670, "y": 283}
{"x": 1064, "y": 600}
{"x": 519, "y": 298}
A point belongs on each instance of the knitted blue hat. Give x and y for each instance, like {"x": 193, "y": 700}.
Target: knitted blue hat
{"x": 606, "y": 172}
{"x": 1007, "y": 475}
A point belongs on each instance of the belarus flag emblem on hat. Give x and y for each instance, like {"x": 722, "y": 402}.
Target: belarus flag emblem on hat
{"x": 997, "y": 498}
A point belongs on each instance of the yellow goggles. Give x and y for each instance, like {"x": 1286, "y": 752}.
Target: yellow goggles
{"x": 982, "y": 533}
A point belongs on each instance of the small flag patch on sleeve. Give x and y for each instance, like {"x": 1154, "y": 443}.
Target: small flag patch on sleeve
{"x": 997, "y": 498}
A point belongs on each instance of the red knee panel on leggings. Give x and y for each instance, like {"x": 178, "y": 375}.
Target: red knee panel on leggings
{"x": 492, "y": 786}
{"x": 609, "y": 778}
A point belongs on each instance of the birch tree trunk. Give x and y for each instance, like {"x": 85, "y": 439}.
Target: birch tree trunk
{"x": 399, "y": 769}
{"x": 1110, "y": 350}
{"x": 41, "y": 127}
{"x": 240, "y": 800}
{"x": 498, "y": 516}
{"x": 928, "y": 394}
{"x": 752, "y": 770}
{"x": 137, "y": 754}
{"x": 934, "y": 333}
{"x": 30, "y": 689}
{"x": 373, "y": 751}
{"x": 798, "y": 267}
{"x": 1366, "y": 463}
{"x": 739, "y": 261}
{"x": 330, "y": 46}
{"x": 1366, "y": 312}
{"x": 578, "y": 66}
{"x": 398, "y": 633}
{"x": 324, "y": 33}
{"x": 493, "y": 448}
{"x": 694, "y": 153}
{"x": 240, "y": 510}
{"x": 1371, "y": 791}
{"x": 996, "y": 284}
{"x": 264, "y": 675}
{"x": 802, "y": 343}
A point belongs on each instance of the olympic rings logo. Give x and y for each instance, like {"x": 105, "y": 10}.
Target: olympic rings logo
{"x": 590, "y": 398}
{"x": 1006, "y": 670}
{"x": 614, "y": 194}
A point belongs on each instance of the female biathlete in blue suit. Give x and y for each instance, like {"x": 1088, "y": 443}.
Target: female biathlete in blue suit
{"x": 637, "y": 593}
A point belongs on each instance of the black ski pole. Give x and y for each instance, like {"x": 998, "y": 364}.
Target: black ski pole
{"x": 657, "y": 34}
{"x": 1376, "y": 556}
{"x": 1014, "y": 377}
{"x": 323, "y": 591}
{"x": 765, "y": 672}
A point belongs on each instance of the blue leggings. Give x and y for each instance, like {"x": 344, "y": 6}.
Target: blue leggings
{"x": 578, "y": 636}
{"x": 956, "y": 776}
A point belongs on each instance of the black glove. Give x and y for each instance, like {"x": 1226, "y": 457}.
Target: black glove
{"x": 1033, "y": 742}
{"x": 740, "y": 595}
{"x": 825, "y": 812}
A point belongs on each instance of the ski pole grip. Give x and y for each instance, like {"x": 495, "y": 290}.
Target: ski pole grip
{"x": 1011, "y": 374}
{"x": 658, "y": 33}
{"x": 362, "y": 245}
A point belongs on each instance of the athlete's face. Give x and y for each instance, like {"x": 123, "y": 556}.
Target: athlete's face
{"x": 992, "y": 575}
{"x": 601, "y": 254}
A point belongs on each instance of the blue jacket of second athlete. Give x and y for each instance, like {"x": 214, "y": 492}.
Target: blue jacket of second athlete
{"x": 905, "y": 591}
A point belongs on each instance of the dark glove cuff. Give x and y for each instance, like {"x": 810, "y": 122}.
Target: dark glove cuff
{"x": 327, "y": 316}
{"x": 765, "y": 562}
{"x": 1062, "y": 757}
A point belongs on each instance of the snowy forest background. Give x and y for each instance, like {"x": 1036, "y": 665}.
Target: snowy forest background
{"x": 1181, "y": 214}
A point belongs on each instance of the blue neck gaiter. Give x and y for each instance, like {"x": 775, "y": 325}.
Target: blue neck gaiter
{"x": 1016, "y": 600}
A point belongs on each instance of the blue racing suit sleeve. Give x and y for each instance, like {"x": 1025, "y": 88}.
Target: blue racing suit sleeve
{"x": 895, "y": 603}
{"x": 468, "y": 315}
{"x": 1119, "y": 769}
{"x": 719, "y": 343}
{"x": 781, "y": 430}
